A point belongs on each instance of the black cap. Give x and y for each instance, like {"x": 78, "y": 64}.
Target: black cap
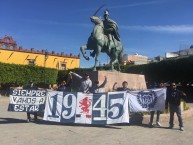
{"x": 86, "y": 74}
{"x": 161, "y": 81}
{"x": 30, "y": 81}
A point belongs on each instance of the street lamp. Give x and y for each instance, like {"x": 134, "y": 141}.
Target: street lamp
{"x": 45, "y": 58}
{"x": 46, "y": 55}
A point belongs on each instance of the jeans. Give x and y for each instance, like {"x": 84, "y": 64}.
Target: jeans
{"x": 177, "y": 109}
{"x": 152, "y": 116}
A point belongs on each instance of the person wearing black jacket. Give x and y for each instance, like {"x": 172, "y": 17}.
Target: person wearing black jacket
{"x": 31, "y": 87}
{"x": 66, "y": 86}
{"x": 174, "y": 97}
{"x": 123, "y": 88}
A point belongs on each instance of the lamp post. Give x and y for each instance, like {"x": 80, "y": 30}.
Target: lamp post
{"x": 45, "y": 58}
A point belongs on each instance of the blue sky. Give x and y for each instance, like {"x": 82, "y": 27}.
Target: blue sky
{"x": 146, "y": 27}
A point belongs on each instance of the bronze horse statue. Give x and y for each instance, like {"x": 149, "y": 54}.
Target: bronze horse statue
{"x": 99, "y": 42}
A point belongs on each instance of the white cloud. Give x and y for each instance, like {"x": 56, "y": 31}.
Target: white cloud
{"x": 159, "y": 28}
{"x": 57, "y": 23}
{"x": 126, "y": 5}
{"x": 166, "y": 28}
{"x": 134, "y": 4}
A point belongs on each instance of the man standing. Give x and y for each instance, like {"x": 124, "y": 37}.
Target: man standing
{"x": 99, "y": 88}
{"x": 65, "y": 86}
{"x": 31, "y": 87}
{"x": 123, "y": 88}
{"x": 174, "y": 97}
{"x": 161, "y": 85}
{"x": 86, "y": 83}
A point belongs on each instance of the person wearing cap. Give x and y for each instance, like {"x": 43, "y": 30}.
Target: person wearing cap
{"x": 86, "y": 83}
{"x": 99, "y": 88}
{"x": 31, "y": 86}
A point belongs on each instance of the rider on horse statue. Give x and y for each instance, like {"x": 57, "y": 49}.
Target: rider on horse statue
{"x": 110, "y": 30}
{"x": 110, "y": 27}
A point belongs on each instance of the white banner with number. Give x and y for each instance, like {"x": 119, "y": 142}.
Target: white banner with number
{"x": 149, "y": 100}
{"x": 76, "y": 107}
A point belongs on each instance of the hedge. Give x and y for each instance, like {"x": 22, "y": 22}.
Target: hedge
{"x": 177, "y": 70}
{"x": 21, "y": 74}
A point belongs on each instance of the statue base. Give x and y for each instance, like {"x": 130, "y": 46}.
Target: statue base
{"x": 135, "y": 81}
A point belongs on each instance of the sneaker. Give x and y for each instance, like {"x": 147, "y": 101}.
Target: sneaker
{"x": 181, "y": 129}
{"x": 35, "y": 118}
{"x": 170, "y": 127}
{"x": 150, "y": 125}
{"x": 28, "y": 120}
{"x": 158, "y": 124}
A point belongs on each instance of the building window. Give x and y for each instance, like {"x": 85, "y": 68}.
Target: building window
{"x": 31, "y": 61}
{"x": 63, "y": 66}
{"x": 4, "y": 46}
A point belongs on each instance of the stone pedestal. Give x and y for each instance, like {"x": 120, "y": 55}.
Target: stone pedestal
{"x": 135, "y": 81}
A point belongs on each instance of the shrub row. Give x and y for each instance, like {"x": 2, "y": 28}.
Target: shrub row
{"x": 21, "y": 74}
{"x": 177, "y": 70}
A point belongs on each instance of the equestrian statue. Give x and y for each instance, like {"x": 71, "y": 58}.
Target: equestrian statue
{"x": 104, "y": 38}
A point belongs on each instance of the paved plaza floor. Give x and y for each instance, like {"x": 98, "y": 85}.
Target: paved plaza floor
{"x": 15, "y": 131}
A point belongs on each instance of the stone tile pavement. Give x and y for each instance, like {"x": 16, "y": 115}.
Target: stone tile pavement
{"x": 15, "y": 131}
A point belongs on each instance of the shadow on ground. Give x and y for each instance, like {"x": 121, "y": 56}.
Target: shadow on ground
{"x": 11, "y": 120}
{"x": 136, "y": 118}
{"x": 43, "y": 122}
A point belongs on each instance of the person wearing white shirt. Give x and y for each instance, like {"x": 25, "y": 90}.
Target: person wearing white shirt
{"x": 86, "y": 83}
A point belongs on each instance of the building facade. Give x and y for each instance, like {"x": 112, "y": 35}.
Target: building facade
{"x": 10, "y": 53}
{"x": 135, "y": 59}
{"x": 184, "y": 52}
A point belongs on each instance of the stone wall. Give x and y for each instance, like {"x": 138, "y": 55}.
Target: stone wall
{"x": 135, "y": 81}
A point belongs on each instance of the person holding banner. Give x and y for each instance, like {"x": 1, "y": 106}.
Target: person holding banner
{"x": 69, "y": 83}
{"x": 123, "y": 88}
{"x": 174, "y": 97}
{"x": 161, "y": 85}
{"x": 86, "y": 83}
{"x": 31, "y": 87}
{"x": 53, "y": 87}
{"x": 66, "y": 85}
{"x": 99, "y": 88}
